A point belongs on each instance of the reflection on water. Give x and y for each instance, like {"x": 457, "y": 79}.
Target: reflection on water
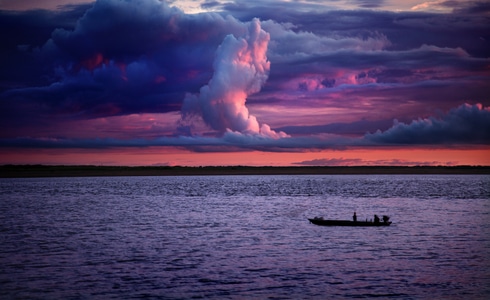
{"x": 244, "y": 237}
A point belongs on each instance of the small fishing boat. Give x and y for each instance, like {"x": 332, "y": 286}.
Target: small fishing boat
{"x": 323, "y": 222}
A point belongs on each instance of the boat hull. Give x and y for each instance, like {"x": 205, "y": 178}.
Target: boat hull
{"x": 322, "y": 222}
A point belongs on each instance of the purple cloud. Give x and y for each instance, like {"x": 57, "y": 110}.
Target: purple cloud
{"x": 133, "y": 56}
{"x": 466, "y": 124}
{"x": 120, "y": 58}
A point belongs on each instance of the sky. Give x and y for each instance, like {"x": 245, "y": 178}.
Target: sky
{"x": 256, "y": 82}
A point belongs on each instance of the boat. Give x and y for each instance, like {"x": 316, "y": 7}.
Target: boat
{"x": 323, "y": 222}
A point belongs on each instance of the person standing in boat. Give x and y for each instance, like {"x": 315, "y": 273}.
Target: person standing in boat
{"x": 376, "y": 219}
{"x": 354, "y": 217}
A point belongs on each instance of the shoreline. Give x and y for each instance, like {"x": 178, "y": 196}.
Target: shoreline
{"x": 33, "y": 171}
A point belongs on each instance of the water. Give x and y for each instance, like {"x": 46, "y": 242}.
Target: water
{"x": 244, "y": 237}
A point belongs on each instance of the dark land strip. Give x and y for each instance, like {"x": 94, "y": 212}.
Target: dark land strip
{"x": 21, "y": 171}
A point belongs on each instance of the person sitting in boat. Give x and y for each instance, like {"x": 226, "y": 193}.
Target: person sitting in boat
{"x": 386, "y": 219}
{"x": 376, "y": 219}
{"x": 354, "y": 217}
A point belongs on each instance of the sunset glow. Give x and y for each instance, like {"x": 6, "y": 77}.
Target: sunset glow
{"x": 261, "y": 83}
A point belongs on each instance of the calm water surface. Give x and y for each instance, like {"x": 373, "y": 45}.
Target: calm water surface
{"x": 244, "y": 237}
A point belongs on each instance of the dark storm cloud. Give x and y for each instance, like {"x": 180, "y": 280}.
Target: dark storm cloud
{"x": 23, "y": 32}
{"x": 466, "y": 124}
{"x": 124, "y": 30}
{"x": 129, "y": 56}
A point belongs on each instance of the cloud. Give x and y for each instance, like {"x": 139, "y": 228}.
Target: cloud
{"x": 361, "y": 162}
{"x": 230, "y": 141}
{"x": 331, "y": 162}
{"x": 314, "y": 71}
{"x": 370, "y": 3}
{"x": 28, "y": 31}
{"x": 356, "y": 128}
{"x": 466, "y": 124}
{"x": 404, "y": 30}
{"x": 470, "y": 7}
{"x": 240, "y": 69}
{"x": 135, "y": 56}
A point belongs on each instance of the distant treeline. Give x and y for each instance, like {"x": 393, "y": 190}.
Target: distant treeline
{"x": 12, "y": 171}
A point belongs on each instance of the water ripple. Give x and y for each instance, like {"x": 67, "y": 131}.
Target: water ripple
{"x": 244, "y": 237}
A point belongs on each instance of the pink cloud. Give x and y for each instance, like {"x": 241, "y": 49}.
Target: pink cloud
{"x": 241, "y": 68}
